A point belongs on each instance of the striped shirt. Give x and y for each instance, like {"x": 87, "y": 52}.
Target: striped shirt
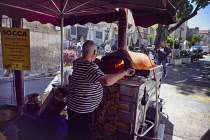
{"x": 85, "y": 91}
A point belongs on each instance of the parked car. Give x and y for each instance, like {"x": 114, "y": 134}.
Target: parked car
{"x": 205, "y": 49}
{"x": 198, "y": 50}
{"x": 191, "y": 54}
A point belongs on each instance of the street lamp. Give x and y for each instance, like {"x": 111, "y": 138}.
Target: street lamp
{"x": 180, "y": 37}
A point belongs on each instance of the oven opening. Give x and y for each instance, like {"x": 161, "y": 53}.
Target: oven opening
{"x": 119, "y": 65}
{"x": 113, "y": 66}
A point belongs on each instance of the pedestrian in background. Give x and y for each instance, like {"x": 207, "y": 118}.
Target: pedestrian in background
{"x": 145, "y": 50}
{"x": 79, "y": 48}
{"x": 163, "y": 52}
{"x": 68, "y": 43}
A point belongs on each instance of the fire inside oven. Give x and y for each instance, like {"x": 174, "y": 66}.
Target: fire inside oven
{"x": 114, "y": 65}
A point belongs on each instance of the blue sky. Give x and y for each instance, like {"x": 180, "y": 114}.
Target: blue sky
{"x": 201, "y": 20}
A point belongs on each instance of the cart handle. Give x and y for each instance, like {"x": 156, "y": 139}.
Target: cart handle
{"x": 152, "y": 125}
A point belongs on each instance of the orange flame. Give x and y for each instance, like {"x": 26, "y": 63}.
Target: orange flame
{"x": 121, "y": 63}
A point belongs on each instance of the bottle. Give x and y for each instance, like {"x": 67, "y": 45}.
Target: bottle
{"x": 65, "y": 79}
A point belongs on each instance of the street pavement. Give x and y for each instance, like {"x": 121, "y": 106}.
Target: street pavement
{"x": 186, "y": 90}
{"x": 32, "y": 85}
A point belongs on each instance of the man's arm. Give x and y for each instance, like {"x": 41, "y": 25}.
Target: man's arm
{"x": 157, "y": 49}
{"x": 113, "y": 78}
{"x": 167, "y": 51}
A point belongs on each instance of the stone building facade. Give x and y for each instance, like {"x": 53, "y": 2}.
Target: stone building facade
{"x": 205, "y": 37}
{"x": 45, "y": 42}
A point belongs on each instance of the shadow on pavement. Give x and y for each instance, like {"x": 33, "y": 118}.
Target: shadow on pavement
{"x": 206, "y": 136}
{"x": 190, "y": 78}
{"x": 169, "y": 127}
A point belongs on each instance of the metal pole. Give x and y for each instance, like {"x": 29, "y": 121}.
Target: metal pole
{"x": 19, "y": 77}
{"x": 0, "y": 21}
{"x": 157, "y": 116}
{"x": 62, "y": 20}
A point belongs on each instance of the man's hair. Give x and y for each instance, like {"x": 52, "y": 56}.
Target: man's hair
{"x": 163, "y": 43}
{"x": 88, "y": 47}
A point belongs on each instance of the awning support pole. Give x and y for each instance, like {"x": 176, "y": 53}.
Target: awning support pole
{"x": 61, "y": 59}
{"x": 19, "y": 76}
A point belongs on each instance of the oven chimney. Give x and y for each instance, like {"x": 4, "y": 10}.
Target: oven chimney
{"x": 122, "y": 29}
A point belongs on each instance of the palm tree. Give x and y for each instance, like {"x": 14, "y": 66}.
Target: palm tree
{"x": 195, "y": 39}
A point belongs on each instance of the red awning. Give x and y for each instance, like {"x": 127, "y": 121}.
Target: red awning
{"x": 145, "y": 12}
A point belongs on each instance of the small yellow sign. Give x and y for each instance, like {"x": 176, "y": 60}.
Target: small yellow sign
{"x": 17, "y": 66}
{"x": 15, "y": 48}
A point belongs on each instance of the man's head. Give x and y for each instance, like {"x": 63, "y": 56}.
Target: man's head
{"x": 89, "y": 50}
{"x": 163, "y": 44}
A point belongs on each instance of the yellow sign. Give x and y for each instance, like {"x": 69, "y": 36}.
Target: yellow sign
{"x": 15, "y": 48}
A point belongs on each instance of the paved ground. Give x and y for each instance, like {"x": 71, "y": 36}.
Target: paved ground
{"x": 32, "y": 85}
{"x": 186, "y": 90}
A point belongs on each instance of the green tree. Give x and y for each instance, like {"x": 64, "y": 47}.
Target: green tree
{"x": 155, "y": 26}
{"x": 151, "y": 38}
{"x": 195, "y": 39}
{"x": 170, "y": 42}
{"x": 185, "y": 11}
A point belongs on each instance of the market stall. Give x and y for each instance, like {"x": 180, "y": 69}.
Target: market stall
{"x": 62, "y": 13}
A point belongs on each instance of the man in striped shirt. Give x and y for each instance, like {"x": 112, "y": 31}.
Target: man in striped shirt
{"x": 86, "y": 91}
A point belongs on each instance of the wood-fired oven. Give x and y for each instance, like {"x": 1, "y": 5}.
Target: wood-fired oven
{"x": 138, "y": 115}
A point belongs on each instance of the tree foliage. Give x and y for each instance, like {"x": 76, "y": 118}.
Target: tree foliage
{"x": 170, "y": 42}
{"x": 185, "y": 11}
{"x": 151, "y": 38}
{"x": 155, "y": 26}
{"x": 195, "y": 39}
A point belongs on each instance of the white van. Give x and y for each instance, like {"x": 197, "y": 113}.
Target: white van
{"x": 205, "y": 49}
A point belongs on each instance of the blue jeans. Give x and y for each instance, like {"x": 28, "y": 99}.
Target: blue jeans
{"x": 163, "y": 62}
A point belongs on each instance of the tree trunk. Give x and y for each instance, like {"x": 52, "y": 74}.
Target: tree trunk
{"x": 161, "y": 36}
{"x": 158, "y": 36}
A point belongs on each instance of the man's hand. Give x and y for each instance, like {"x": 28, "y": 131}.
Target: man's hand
{"x": 163, "y": 52}
{"x": 113, "y": 78}
{"x": 158, "y": 48}
{"x": 129, "y": 72}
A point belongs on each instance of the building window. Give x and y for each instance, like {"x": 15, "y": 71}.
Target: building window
{"x": 82, "y": 31}
{"x": 98, "y": 35}
{"x": 73, "y": 30}
{"x": 209, "y": 36}
{"x": 209, "y": 41}
{"x": 202, "y": 36}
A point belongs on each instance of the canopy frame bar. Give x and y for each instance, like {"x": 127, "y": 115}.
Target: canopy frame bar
{"x": 78, "y": 6}
{"x": 65, "y": 5}
{"x": 56, "y": 6}
{"x": 99, "y": 6}
{"x": 33, "y": 4}
{"x": 26, "y": 9}
{"x": 39, "y": 5}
